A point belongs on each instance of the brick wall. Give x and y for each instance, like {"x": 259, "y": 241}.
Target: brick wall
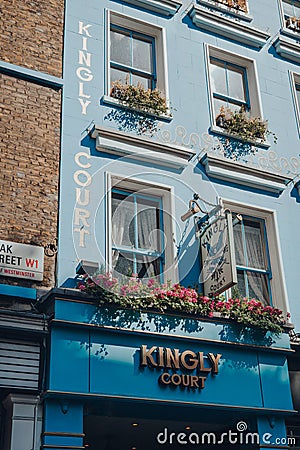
{"x": 32, "y": 34}
{"x": 29, "y": 161}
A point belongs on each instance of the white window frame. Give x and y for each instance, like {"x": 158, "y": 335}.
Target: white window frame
{"x": 295, "y": 79}
{"x": 166, "y": 193}
{"x": 159, "y": 35}
{"x": 277, "y": 283}
{"x": 252, "y": 82}
{"x": 286, "y": 30}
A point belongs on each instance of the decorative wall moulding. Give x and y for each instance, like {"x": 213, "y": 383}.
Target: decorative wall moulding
{"x": 287, "y": 48}
{"x": 228, "y": 28}
{"x": 242, "y": 174}
{"x": 144, "y": 149}
{"x": 163, "y": 7}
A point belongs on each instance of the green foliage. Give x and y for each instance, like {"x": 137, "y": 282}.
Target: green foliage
{"x": 145, "y": 106}
{"x": 132, "y": 293}
{"x": 246, "y": 128}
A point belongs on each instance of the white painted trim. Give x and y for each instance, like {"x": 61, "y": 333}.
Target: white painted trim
{"x": 223, "y": 132}
{"x": 116, "y": 142}
{"x": 252, "y": 77}
{"x": 228, "y": 28}
{"x": 243, "y": 174}
{"x": 164, "y": 7}
{"x": 159, "y": 190}
{"x": 153, "y": 30}
{"x": 107, "y": 99}
{"x": 278, "y": 284}
{"x": 287, "y": 48}
{"x": 293, "y": 76}
{"x": 108, "y": 228}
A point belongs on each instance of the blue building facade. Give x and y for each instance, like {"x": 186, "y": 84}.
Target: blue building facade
{"x": 117, "y": 379}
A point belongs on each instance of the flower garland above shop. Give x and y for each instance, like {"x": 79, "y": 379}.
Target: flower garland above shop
{"x": 132, "y": 293}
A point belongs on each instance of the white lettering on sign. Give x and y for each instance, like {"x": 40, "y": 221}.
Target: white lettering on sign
{"x": 83, "y": 179}
{"x": 83, "y": 72}
{"x": 21, "y": 260}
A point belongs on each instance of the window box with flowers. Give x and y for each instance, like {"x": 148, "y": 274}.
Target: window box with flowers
{"x": 135, "y": 295}
{"x": 239, "y": 125}
{"x": 144, "y": 106}
{"x": 240, "y": 5}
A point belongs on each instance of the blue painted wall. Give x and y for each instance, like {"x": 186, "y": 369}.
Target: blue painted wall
{"x": 188, "y": 92}
{"x": 107, "y": 363}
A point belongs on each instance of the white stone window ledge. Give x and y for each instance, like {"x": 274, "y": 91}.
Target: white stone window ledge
{"x": 228, "y": 28}
{"x": 108, "y": 100}
{"x": 259, "y": 143}
{"x": 226, "y": 9}
{"x": 118, "y": 143}
{"x": 243, "y": 174}
{"x": 288, "y": 49}
{"x": 164, "y": 7}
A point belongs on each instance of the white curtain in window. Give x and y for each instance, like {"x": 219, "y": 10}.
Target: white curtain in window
{"x": 254, "y": 247}
{"x": 147, "y": 228}
{"x": 122, "y": 217}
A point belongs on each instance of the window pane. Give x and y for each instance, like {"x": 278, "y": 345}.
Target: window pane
{"x": 148, "y": 225}
{"x": 145, "y": 82}
{"x": 254, "y": 244}
{"x": 291, "y": 8}
{"x": 258, "y": 287}
{"x": 119, "y": 75}
{"x": 120, "y": 48}
{"x": 122, "y": 221}
{"x": 142, "y": 55}
{"x": 123, "y": 263}
{"x": 218, "y": 78}
{"x": 298, "y": 95}
{"x": 239, "y": 245}
{"x": 148, "y": 267}
{"x": 241, "y": 284}
{"x": 236, "y": 83}
{"x": 218, "y": 104}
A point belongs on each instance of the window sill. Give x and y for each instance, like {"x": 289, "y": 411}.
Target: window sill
{"x": 226, "y": 9}
{"x": 135, "y": 147}
{"x": 287, "y": 46}
{"x": 108, "y": 100}
{"x": 243, "y": 174}
{"x": 229, "y": 28}
{"x": 220, "y": 131}
{"x": 164, "y": 7}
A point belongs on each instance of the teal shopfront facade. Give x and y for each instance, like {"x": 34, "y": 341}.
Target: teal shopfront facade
{"x": 123, "y": 379}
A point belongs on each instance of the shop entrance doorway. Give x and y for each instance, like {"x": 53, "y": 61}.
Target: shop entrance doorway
{"x": 128, "y": 427}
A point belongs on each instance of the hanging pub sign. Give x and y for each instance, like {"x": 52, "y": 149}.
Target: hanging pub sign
{"x": 21, "y": 260}
{"x": 218, "y": 257}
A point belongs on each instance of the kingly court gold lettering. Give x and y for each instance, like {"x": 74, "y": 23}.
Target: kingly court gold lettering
{"x": 188, "y": 360}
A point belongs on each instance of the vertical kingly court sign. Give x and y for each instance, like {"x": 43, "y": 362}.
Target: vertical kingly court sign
{"x": 218, "y": 257}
